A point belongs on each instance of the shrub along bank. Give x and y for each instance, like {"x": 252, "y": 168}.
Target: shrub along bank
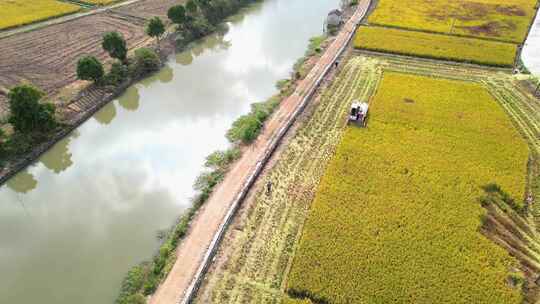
{"x": 198, "y": 18}
{"x": 33, "y": 122}
{"x": 246, "y": 128}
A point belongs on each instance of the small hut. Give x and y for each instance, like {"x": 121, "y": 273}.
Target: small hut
{"x": 335, "y": 18}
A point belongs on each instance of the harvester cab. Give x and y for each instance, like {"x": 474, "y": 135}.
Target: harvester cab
{"x": 359, "y": 112}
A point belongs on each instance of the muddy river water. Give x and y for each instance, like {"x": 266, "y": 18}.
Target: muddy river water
{"x": 73, "y": 224}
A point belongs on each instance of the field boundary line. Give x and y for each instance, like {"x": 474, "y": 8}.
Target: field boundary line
{"x": 385, "y": 55}
{"x": 350, "y": 29}
{"x": 60, "y": 19}
{"x": 409, "y": 29}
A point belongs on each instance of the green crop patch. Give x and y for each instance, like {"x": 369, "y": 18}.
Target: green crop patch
{"x": 396, "y": 216}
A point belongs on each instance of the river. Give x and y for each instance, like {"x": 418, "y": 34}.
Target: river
{"x": 73, "y": 223}
{"x": 531, "y": 48}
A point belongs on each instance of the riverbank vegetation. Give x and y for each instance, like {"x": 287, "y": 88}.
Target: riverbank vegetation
{"x": 396, "y": 216}
{"x": 32, "y": 121}
{"x": 144, "y": 279}
{"x": 15, "y": 13}
{"x": 198, "y": 18}
{"x": 314, "y": 48}
{"x": 27, "y": 103}
{"x": 247, "y": 127}
{"x": 435, "y": 46}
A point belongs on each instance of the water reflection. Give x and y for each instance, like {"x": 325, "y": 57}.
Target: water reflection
{"x": 23, "y": 182}
{"x": 184, "y": 58}
{"x": 214, "y": 42}
{"x": 58, "y": 158}
{"x": 130, "y": 100}
{"x": 254, "y": 9}
{"x": 166, "y": 74}
{"x": 107, "y": 114}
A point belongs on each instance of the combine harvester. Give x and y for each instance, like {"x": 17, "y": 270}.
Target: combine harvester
{"x": 359, "y": 113}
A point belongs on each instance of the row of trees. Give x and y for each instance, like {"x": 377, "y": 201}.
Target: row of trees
{"x": 195, "y": 19}
{"x": 198, "y": 18}
{"x": 33, "y": 119}
{"x": 91, "y": 69}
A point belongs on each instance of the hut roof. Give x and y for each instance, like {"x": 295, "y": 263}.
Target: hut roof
{"x": 335, "y": 12}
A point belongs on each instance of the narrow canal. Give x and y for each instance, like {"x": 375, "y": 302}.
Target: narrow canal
{"x": 73, "y": 224}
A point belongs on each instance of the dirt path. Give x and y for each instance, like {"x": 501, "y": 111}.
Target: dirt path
{"x": 194, "y": 248}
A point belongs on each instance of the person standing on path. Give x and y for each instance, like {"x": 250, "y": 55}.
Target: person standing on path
{"x": 269, "y": 188}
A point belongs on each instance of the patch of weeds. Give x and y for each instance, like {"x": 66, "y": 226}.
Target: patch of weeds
{"x": 495, "y": 195}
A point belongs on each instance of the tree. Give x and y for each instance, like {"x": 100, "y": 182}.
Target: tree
{"x": 89, "y": 68}
{"x": 177, "y": 14}
{"x": 218, "y": 9}
{"x": 136, "y": 299}
{"x": 208, "y": 10}
{"x": 146, "y": 60}
{"x": 203, "y": 4}
{"x": 3, "y": 149}
{"x": 27, "y": 114}
{"x": 199, "y": 27}
{"x": 115, "y": 44}
{"x": 191, "y": 7}
{"x": 117, "y": 74}
{"x": 155, "y": 28}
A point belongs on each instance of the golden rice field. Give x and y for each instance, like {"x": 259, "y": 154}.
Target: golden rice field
{"x": 506, "y": 20}
{"x": 437, "y": 46}
{"x": 20, "y": 12}
{"x": 396, "y": 217}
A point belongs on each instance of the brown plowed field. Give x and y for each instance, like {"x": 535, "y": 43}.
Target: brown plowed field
{"x": 47, "y": 57}
{"x": 148, "y": 8}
